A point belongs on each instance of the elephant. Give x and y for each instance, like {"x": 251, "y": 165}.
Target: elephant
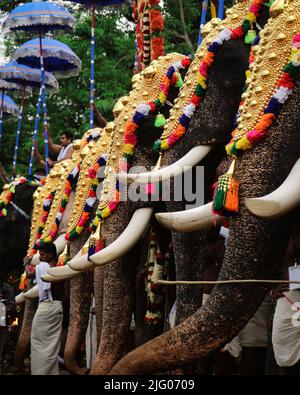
{"x": 15, "y": 226}
{"x": 147, "y": 84}
{"x": 226, "y": 97}
{"x": 44, "y": 214}
{"x": 256, "y": 245}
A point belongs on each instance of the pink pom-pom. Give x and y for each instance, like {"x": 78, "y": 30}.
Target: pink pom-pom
{"x": 254, "y": 136}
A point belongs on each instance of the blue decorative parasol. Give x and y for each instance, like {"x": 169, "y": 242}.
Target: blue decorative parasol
{"x": 94, "y": 3}
{"x": 39, "y": 16}
{"x": 8, "y": 107}
{"x": 25, "y": 76}
{"x": 58, "y": 57}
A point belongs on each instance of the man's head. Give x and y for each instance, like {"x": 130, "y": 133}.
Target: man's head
{"x": 66, "y": 138}
{"x": 48, "y": 252}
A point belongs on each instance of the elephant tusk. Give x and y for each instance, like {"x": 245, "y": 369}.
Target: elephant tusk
{"x": 80, "y": 263}
{"x": 60, "y": 273}
{"x": 192, "y": 158}
{"x": 20, "y": 298}
{"x": 281, "y": 201}
{"x": 198, "y": 218}
{"x": 32, "y": 293}
{"x": 131, "y": 235}
{"x": 60, "y": 244}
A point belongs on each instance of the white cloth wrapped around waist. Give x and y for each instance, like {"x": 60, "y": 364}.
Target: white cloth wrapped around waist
{"x": 286, "y": 329}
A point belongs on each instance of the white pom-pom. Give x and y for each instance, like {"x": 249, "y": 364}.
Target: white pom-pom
{"x": 143, "y": 108}
{"x": 189, "y": 110}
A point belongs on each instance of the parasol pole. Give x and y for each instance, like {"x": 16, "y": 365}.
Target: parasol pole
{"x": 221, "y": 9}
{"x": 14, "y": 166}
{"x": 203, "y": 20}
{"x": 43, "y": 87}
{"x": 92, "y": 76}
{"x": 36, "y": 128}
{"x": 1, "y": 116}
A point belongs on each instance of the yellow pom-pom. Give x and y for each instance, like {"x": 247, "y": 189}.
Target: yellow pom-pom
{"x": 248, "y": 74}
{"x": 162, "y": 97}
{"x": 105, "y": 212}
{"x": 128, "y": 149}
{"x": 164, "y": 145}
{"x": 243, "y": 144}
{"x": 251, "y": 17}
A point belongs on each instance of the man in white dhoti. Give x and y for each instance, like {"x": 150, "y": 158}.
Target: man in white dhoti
{"x": 47, "y": 322}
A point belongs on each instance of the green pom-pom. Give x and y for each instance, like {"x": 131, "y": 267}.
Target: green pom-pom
{"x": 179, "y": 82}
{"x": 160, "y": 121}
{"x": 157, "y": 145}
{"x": 250, "y": 37}
{"x": 4, "y": 212}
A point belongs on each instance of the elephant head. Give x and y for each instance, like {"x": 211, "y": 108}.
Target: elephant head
{"x": 256, "y": 246}
{"x": 16, "y": 203}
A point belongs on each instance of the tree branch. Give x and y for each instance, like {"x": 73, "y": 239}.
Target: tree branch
{"x": 3, "y": 174}
{"x": 182, "y": 18}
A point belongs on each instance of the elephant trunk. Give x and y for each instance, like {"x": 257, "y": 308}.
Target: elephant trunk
{"x": 226, "y": 312}
{"x": 80, "y": 302}
{"x": 24, "y": 337}
{"x": 118, "y": 294}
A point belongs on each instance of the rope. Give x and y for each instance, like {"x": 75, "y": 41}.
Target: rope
{"x": 182, "y": 282}
{"x": 36, "y": 128}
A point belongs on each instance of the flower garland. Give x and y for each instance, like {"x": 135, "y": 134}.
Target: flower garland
{"x": 157, "y": 42}
{"x": 88, "y": 207}
{"x": 6, "y": 197}
{"x": 46, "y": 208}
{"x": 71, "y": 179}
{"x": 107, "y": 211}
{"x": 189, "y": 110}
{"x": 172, "y": 78}
{"x": 226, "y": 195}
{"x": 284, "y": 88}
{"x": 157, "y": 266}
{"x": 149, "y": 31}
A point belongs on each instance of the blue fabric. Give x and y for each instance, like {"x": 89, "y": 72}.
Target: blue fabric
{"x": 39, "y": 16}
{"x": 57, "y": 56}
{"x": 14, "y": 72}
{"x": 9, "y": 106}
{"x": 98, "y": 2}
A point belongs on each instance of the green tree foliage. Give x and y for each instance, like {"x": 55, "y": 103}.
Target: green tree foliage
{"x": 69, "y": 108}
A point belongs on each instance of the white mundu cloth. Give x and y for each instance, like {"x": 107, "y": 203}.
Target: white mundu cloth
{"x": 46, "y": 329}
{"x": 286, "y": 329}
{"x": 63, "y": 152}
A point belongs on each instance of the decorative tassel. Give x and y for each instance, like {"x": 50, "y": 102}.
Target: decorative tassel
{"x": 160, "y": 121}
{"x": 64, "y": 256}
{"x": 227, "y": 197}
{"x": 250, "y": 37}
{"x": 96, "y": 243}
{"x": 23, "y": 282}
